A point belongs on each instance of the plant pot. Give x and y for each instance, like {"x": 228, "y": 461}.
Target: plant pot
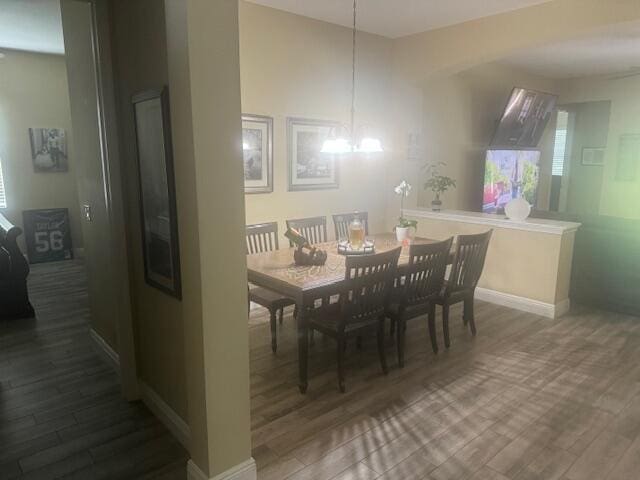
{"x": 436, "y": 205}
{"x": 402, "y": 233}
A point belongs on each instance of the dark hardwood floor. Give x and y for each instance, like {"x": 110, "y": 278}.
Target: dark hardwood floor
{"x": 61, "y": 411}
{"x": 528, "y": 398}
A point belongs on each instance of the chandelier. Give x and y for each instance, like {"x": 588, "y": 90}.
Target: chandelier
{"x": 340, "y": 140}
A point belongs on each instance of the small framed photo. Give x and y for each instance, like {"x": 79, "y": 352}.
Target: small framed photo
{"x": 158, "y": 214}
{"x": 49, "y": 150}
{"x": 628, "y": 153}
{"x": 257, "y": 153}
{"x": 593, "y": 157}
{"x": 309, "y": 168}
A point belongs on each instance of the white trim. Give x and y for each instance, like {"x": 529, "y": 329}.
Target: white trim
{"x": 105, "y": 350}
{"x": 243, "y": 471}
{"x": 538, "y": 225}
{"x": 524, "y": 304}
{"x": 176, "y": 425}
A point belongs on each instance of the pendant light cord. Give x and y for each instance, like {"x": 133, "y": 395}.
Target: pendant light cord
{"x": 353, "y": 80}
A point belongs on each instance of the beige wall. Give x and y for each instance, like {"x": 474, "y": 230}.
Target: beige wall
{"x": 421, "y": 58}
{"x": 295, "y": 66}
{"x": 532, "y": 265}
{"x": 140, "y": 57}
{"x": 589, "y": 128}
{"x": 34, "y": 93}
{"x": 204, "y": 77}
{"x": 617, "y": 198}
{"x": 460, "y": 113}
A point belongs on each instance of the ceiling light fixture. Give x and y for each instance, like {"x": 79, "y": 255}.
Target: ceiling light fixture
{"x": 341, "y": 141}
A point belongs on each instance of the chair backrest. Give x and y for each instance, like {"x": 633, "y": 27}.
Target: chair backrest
{"x": 425, "y": 273}
{"x": 368, "y": 279}
{"x": 314, "y": 229}
{"x": 341, "y": 223}
{"x": 262, "y": 237}
{"x": 468, "y": 261}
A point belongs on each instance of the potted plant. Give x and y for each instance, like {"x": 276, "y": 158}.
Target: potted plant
{"x": 404, "y": 224}
{"x": 437, "y": 183}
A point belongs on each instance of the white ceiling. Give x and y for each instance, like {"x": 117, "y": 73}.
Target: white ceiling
{"x": 397, "y": 18}
{"x": 31, "y": 25}
{"x": 603, "y": 53}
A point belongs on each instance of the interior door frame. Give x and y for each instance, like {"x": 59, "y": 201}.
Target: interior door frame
{"x": 113, "y": 193}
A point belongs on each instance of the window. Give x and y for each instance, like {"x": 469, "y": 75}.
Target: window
{"x": 3, "y": 198}
{"x": 560, "y": 144}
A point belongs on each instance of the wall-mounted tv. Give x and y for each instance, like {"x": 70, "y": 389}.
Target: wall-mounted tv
{"x": 509, "y": 174}
{"x": 524, "y": 119}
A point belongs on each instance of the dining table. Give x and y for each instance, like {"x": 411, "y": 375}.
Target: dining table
{"x": 305, "y": 284}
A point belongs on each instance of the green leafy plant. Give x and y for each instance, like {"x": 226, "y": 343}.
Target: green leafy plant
{"x": 404, "y": 189}
{"x": 436, "y": 182}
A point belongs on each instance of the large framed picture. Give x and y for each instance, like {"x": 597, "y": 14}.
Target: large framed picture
{"x": 309, "y": 168}
{"x": 47, "y": 233}
{"x": 628, "y": 157}
{"x": 157, "y": 191}
{"x": 48, "y": 150}
{"x": 257, "y": 153}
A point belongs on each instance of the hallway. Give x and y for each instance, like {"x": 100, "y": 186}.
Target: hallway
{"x": 61, "y": 411}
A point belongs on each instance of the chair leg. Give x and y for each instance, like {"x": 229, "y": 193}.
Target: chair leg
{"x": 445, "y": 324}
{"x": 468, "y": 314}
{"x": 392, "y": 327}
{"x": 381, "y": 352}
{"x": 281, "y": 315}
{"x": 432, "y": 328}
{"x": 341, "y": 349}
{"x": 359, "y": 342}
{"x": 312, "y": 340}
{"x": 401, "y": 334}
{"x": 272, "y": 319}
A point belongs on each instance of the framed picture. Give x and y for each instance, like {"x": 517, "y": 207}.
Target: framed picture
{"x": 309, "y": 168}
{"x": 628, "y": 152}
{"x": 158, "y": 216}
{"x": 47, "y": 233}
{"x": 49, "y": 150}
{"x": 257, "y": 153}
{"x": 593, "y": 157}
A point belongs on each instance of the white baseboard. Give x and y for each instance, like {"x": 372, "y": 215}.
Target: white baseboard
{"x": 105, "y": 350}
{"x": 524, "y": 304}
{"x": 244, "y": 471}
{"x": 176, "y": 425}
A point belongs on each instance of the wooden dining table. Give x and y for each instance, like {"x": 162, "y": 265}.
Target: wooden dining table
{"x": 277, "y": 271}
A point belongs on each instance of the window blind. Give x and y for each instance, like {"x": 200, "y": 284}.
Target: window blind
{"x": 560, "y": 144}
{"x": 3, "y": 198}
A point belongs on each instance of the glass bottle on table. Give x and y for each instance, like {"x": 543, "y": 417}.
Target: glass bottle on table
{"x": 356, "y": 233}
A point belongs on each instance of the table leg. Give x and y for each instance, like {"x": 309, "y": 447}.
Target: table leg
{"x": 303, "y": 347}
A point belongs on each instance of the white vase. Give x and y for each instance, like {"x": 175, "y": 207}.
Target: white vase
{"x": 517, "y": 209}
{"x": 402, "y": 233}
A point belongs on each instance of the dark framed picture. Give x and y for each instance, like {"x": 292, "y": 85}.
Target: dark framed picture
{"x": 628, "y": 153}
{"x": 47, "y": 233}
{"x": 309, "y": 168}
{"x": 593, "y": 157}
{"x": 257, "y": 153}
{"x": 49, "y": 150}
{"x": 158, "y": 215}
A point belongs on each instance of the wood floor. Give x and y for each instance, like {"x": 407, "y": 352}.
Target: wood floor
{"x": 61, "y": 411}
{"x": 528, "y": 398}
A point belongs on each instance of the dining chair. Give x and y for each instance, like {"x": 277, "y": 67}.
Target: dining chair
{"x": 341, "y": 223}
{"x": 361, "y": 306}
{"x": 263, "y": 237}
{"x": 468, "y": 262}
{"x": 314, "y": 229}
{"x": 416, "y": 291}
